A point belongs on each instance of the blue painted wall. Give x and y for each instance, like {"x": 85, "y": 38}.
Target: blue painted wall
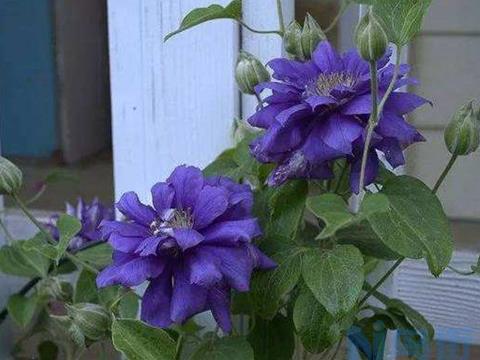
{"x": 27, "y": 78}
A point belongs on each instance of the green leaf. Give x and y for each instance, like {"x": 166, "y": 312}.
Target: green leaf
{"x": 213, "y": 12}
{"x": 39, "y": 243}
{"x": 22, "y": 308}
{"x": 86, "y": 289}
{"x": 369, "y": 336}
{"x": 316, "y": 327}
{"x": 18, "y": 261}
{"x": 274, "y": 339}
{"x": 401, "y": 19}
{"x": 333, "y": 211}
{"x": 409, "y": 219}
{"x": 68, "y": 226}
{"x": 227, "y": 348}
{"x": 128, "y": 306}
{"x": 270, "y": 287}
{"x": 139, "y": 341}
{"x": 98, "y": 256}
{"x": 417, "y": 320}
{"x": 335, "y": 277}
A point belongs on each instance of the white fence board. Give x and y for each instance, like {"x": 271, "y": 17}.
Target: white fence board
{"x": 173, "y": 102}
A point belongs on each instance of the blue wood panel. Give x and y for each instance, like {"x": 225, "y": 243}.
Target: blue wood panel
{"x": 27, "y": 78}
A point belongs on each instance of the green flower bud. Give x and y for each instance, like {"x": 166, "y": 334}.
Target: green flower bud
{"x": 301, "y": 43}
{"x": 93, "y": 320}
{"x": 250, "y": 72}
{"x": 370, "y": 38}
{"x": 462, "y": 135}
{"x": 10, "y": 177}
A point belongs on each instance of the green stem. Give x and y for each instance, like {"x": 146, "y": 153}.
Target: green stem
{"x": 281, "y": 19}
{"x": 380, "y": 282}
{"x": 444, "y": 173}
{"x": 179, "y": 348}
{"x": 372, "y": 122}
{"x": 337, "y": 349}
{"x": 391, "y": 86}
{"x": 337, "y": 17}
{"x": 7, "y": 233}
{"x": 249, "y": 28}
{"x": 49, "y": 236}
{"x": 36, "y": 196}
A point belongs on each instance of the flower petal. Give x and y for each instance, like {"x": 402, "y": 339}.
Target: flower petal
{"x": 187, "y": 181}
{"x": 316, "y": 101}
{"x": 339, "y": 132}
{"x": 126, "y": 244}
{"x": 211, "y": 203}
{"x": 132, "y": 208}
{"x": 162, "y": 196}
{"x": 395, "y": 126}
{"x": 402, "y": 103}
{"x": 232, "y": 232}
{"x": 156, "y": 301}
{"x": 393, "y": 151}
{"x": 371, "y": 171}
{"x": 187, "y": 299}
{"x": 203, "y": 270}
{"x": 260, "y": 260}
{"x": 123, "y": 228}
{"x": 327, "y": 58}
{"x": 264, "y": 117}
{"x": 187, "y": 238}
{"x": 130, "y": 270}
{"x": 149, "y": 246}
{"x": 219, "y": 304}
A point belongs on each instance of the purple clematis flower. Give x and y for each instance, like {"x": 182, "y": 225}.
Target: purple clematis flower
{"x": 193, "y": 246}
{"x": 90, "y": 216}
{"x": 318, "y": 111}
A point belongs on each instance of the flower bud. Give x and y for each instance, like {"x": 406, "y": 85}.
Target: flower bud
{"x": 370, "y": 38}
{"x": 250, "y": 72}
{"x": 10, "y": 177}
{"x": 92, "y": 320}
{"x": 301, "y": 43}
{"x": 462, "y": 135}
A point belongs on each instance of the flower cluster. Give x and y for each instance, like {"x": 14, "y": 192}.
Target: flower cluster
{"x": 193, "y": 246}
{"x": 318, "y": 112}
{"x": 90, "y": 215}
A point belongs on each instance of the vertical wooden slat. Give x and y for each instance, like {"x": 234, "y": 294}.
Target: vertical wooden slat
{"x": 173, "y": 102}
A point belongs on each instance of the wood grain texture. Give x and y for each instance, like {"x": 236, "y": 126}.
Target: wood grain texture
{"x": 173, "y": 102}
{"x": 450, "y": 302}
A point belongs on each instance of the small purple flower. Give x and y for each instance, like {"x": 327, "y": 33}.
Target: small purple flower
{"x": 90, "y": 216}
{"x": 318, "y": 112}
{"x": 193, "y": 246}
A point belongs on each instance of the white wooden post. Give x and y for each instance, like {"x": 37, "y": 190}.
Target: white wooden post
{"x": 173, "y": 102}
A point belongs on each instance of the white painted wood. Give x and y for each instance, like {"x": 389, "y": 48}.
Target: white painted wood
{"x": 262, "y": 15}
{"x": 173, "y": 102}
{"x": 450, "y": 302}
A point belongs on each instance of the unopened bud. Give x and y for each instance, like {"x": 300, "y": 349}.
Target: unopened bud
{"x": 250, "y": 72}
{"x": 462, "y": 135}
{"x": 301, "y": 43}
{"x": 370, "y": 38}
{"x": 93, "y": 320}
{"x": 10, "y": 177}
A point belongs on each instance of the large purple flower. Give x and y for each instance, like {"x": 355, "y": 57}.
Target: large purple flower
{"x": 193, "y": 245}
{"x": 318, "y": 112}
{"x": 90, "y": 216}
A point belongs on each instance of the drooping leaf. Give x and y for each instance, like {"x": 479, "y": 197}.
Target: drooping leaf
{"x": 333, "y": 211}
{"x": 18, "y": 261}
{"x": 98, "y": 256}
{"x": 139, "y": 341}
{"x": 401, "y": 19}
{"x": 68, "y": 226}
{"x": 409, "y": 219}
{"x": 40, "y": 244}
{"x": 86, "y": 289}
{"x": 270, "y": 287}
{"x": 273, "y": 339}
{"x": 200, "y": 15}
{"x": 369, "y": 336}
{"x": 22, "y": 308}
{"x": 317, "y": 328}
{"x": 227, "y": 348}
{"x": 128, "y": 306}
{"x": 335, "y": 277}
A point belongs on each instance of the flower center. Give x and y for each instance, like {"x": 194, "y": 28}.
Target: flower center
{"x": 171, "y": 219}
{"x": 327, "y": 82}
